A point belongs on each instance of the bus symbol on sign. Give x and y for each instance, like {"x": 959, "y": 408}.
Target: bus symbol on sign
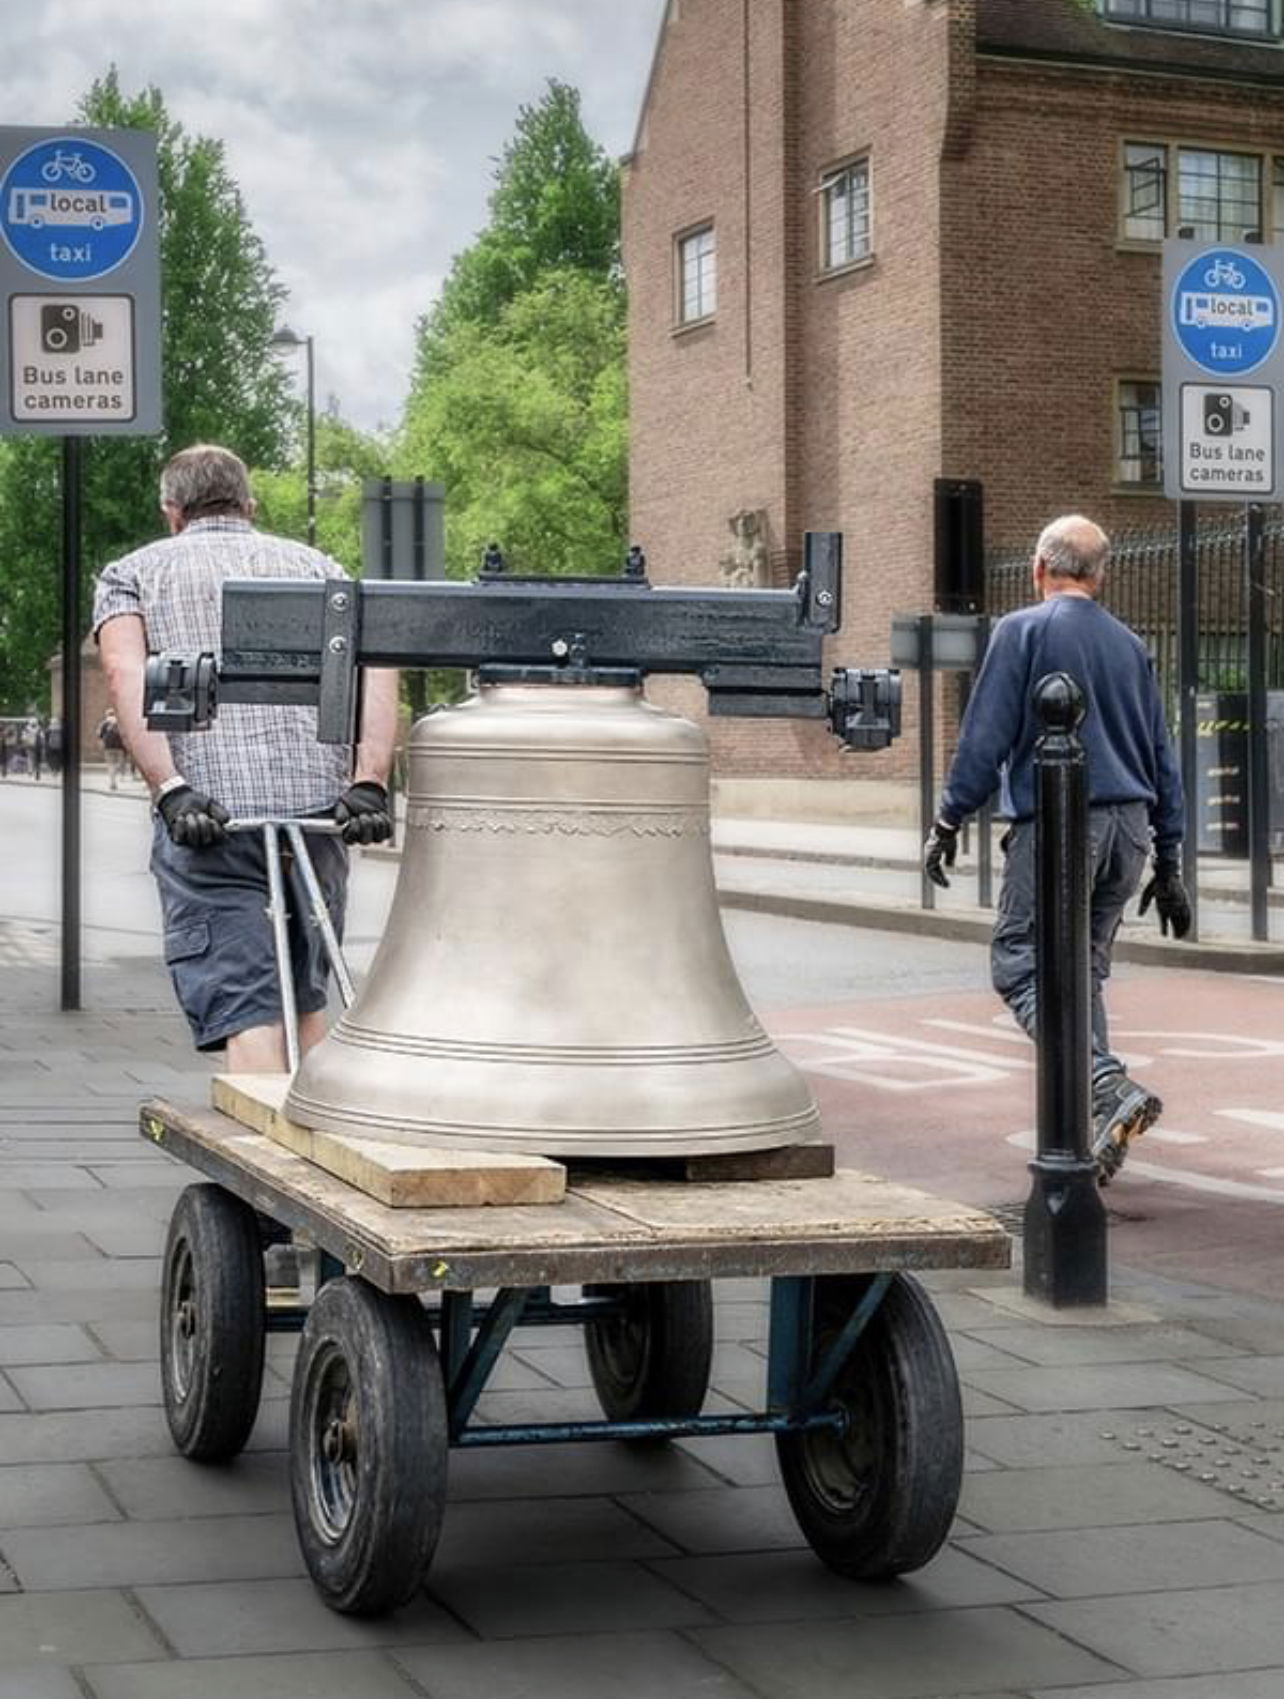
{"x": 1225, "y": 312}
{"x": 38, "y": 207}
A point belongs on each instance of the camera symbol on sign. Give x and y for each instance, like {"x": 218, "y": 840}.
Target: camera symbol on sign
{"x": 65, "y": 329}
{"x": 1223, "y": 416}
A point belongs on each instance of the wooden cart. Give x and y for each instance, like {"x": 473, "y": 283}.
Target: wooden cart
{"x": 413, "y": 1308}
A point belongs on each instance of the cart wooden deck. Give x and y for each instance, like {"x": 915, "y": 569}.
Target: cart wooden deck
{"x": 606, "y": 1229}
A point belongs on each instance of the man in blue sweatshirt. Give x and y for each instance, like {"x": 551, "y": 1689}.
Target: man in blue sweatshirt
{"x": 1134, "y": 794}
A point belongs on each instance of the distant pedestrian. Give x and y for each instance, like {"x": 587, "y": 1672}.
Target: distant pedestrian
{"x": 53, "y": 746}
{"x": 113, "y": 747}
{"x": 36, "y": 747}
{"x": 1134, "y": 794}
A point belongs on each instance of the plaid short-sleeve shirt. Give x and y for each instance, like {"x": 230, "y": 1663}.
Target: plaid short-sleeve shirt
{"x": 254, "y": 759}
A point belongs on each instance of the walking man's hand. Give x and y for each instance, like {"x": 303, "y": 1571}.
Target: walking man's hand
{"x": 192, "y": 820}
{"x": 939, "y": 852}
{"x": 1166, "y": 891}
{"x": 364, "y": 814}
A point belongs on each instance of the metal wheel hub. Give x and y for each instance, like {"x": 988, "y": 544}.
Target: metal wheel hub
{"x": 183, "y": 1322}
{"x": 333, "y": 1450}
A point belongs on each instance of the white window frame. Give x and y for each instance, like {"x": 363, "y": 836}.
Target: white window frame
{"x": 1232, "y": 20}
{"x": 1153, "y": 483}
{"x": 857, "y": 225}
{"x": 1171, "y": 152}
{"x": 697, "y": 265}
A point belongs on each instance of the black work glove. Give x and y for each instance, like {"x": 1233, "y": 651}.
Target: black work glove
{"x": 364, "y": 814}
{"x": 1168, "y": 894}
{"x": 193, "y": 820}
{"x": 939, "y": 852}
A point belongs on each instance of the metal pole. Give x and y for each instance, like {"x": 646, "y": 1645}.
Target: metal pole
{"x": 279, "y": 917}
{"x": 926, "y": 748}
{"x": 71, "y": 723}
{"x": 1259, "y": 775}
{"x": 312, "y": 444}
{"x": 1065, "y": 1220}
{"x": 1187, "y": 693}
{"x": 985, "y": 815}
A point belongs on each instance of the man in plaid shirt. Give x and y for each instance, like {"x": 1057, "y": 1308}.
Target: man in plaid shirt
{"x": 254, "y": 761}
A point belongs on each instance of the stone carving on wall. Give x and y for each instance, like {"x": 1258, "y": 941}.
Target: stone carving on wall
{"x": 746, "y": 565}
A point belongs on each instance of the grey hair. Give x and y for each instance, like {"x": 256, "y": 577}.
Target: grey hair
{"x": 204, "y": 480}
{"x": 1074, "y": 547}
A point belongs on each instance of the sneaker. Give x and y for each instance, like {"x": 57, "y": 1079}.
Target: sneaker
{"x": 1121, "y": 1112}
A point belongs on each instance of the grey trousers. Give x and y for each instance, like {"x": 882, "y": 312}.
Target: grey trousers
{"x": 1118, "y": 844}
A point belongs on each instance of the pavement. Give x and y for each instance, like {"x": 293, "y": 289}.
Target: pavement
{"x": 1120, "y": 1535}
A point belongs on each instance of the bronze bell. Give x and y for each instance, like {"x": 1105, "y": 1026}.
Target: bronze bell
{"x": 554, "y": 976}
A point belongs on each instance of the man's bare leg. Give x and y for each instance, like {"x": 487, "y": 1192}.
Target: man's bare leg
{"x": 261, "y": 1049}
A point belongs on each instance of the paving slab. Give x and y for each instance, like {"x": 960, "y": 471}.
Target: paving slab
{"x": 502, "y": 1602}
{"x": 283, "y": 1616}
{"x": 1085, "y": 1497}
{"x": 1052, "y": 1347}
{"x": 71, "y": 1628}
{"x": 1263, "y": 1375}
{"x": 40, "y": 1684}
{"x": 966, "y": 1652}
{"x": 98, "y": 1303}
{"x": 795, "y": 1587}
{"x": 1098, "y": 1562}
{"x": 83, "y": 1435}
{"x": 46, "y": 1494}
{"x": 87, "y": 1386}
{"x": 72, "y": 1274}
{"x": 9, "y": 1399}
{"x": 1256, "y": 1684}
{"x": 574, "y": 1470}
{"x": 136, "y": 1554}
{"x": 151, "y": 1489}
{"x": 1083, "y": 1436}
{"x": 615, "y": 1666}
{"x": 22, "y": 1244}
{"x": 1200, "y": 1631}
{"x": 317, "y": 1675}
{"x": 1101, "y": 1386}
{"x": 545, "y": 1531}
{"x": 725, "y": 1519}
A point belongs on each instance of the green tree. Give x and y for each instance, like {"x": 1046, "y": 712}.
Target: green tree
{"x": 345, "y": 457}
{"x": 518, "y": 403}
{"x": 220, "y": 301}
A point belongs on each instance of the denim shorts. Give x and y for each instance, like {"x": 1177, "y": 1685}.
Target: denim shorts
{"x": 219, "y": 946}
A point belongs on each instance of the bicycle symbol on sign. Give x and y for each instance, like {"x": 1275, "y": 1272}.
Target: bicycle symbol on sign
{"x": 67, "y": 165}
{"x": 1224, "y": 271}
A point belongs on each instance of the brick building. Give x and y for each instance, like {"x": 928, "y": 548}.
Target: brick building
{"x": 871, "y": 243}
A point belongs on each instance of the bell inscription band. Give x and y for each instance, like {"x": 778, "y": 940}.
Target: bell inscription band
{"x": 554, "y": 977}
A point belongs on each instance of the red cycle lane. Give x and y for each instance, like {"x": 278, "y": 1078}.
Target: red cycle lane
{"x": 939, "y": 1091}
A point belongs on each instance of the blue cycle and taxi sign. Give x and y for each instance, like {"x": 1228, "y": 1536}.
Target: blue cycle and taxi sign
{"x": 70, "y": 209}
{"x": 79, "y": 282}
{"x": 1226, "y": 312}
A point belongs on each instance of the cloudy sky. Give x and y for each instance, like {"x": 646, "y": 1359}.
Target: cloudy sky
{"x": 363, "y": 133}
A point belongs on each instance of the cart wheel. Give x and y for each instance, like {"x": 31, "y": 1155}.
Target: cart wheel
{"x": 879, "y": 1499}
{"x": 368, "y": 1443}
{"x": 212, "y": 1330}
{"x": 654, "y": 1359}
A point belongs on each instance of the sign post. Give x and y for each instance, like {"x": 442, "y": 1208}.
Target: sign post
{"x": 79, "y": 356}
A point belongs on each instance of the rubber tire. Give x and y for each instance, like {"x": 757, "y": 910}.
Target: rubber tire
{"x": 213, "y": 1260}
{"x": 655, "y": 1361}
{"x": 879, "y": 1500}
{"x": 379, "y": 1556}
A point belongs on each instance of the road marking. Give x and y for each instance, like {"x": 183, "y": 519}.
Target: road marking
{"x": 1270, "y": 1118}
{"x": 1235, "y": 1046}
{"x": 854, "y": 1053}
{"x": 1006, "y": 1034}
{"x": 1178, "y": 1176}
{"x": 1153, "y": 1135}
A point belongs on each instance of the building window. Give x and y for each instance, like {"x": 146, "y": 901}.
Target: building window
{"x": 1138, "y": 442}
{"x": 1277, "y": 198}
{"x": 1218, "y": 17}
{"x": 697, "y": 276}
{"x": 845, "y": 228}
{"x": 1213, "y": 196}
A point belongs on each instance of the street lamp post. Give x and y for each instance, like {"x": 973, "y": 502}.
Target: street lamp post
{"x": 287, "y": 338}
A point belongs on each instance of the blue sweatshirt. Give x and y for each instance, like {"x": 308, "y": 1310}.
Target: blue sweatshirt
{"x": 1130, "y": 757}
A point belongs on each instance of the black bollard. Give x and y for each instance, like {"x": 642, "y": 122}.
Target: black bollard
{"x": 1065, "y": 1220}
